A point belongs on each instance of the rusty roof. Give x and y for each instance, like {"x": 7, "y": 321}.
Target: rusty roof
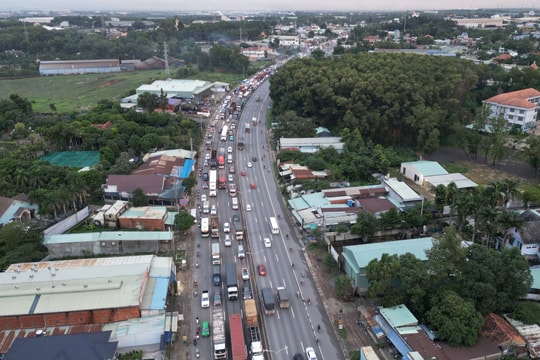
{"x": 376, "y": 205}
{"x": 500, "y": 332}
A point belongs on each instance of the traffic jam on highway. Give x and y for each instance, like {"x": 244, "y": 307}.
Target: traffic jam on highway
{"x": 235, "y": 301}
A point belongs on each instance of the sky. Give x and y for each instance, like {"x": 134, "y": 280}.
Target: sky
{"x": 264, "y": 5}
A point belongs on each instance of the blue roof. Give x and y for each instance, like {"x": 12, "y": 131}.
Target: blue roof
{"x": 159, "y": 294}
{"x": 186, "y": 169}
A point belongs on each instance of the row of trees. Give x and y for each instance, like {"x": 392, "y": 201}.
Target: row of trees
{"x": 455, "y": 287}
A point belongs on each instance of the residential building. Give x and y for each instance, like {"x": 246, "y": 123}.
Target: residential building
{"x": 430, "y": 174}
{"x": 527, "y": 239}
{"x": 519, "y": 108}
{"x": 17, "y": 209}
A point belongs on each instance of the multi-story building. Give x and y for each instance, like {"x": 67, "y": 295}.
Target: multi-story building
{"x": 518, "y": 108}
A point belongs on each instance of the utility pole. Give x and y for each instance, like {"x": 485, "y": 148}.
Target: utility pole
{"x": 166, "y": 55}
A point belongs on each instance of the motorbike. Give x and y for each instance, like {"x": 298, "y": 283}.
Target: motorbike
{"x": 197, "y": 353}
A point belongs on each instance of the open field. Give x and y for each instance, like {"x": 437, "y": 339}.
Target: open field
{"x": 72, "y": 93}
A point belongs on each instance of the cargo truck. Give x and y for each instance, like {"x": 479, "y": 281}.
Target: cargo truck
{"x": 213, "y": 160}
{"x": 268, "y": 302}
{"x": 238, "y": 345}
{"x": 222, "y": 180}
{"x": 232, "y": 281}
{"x": 216, "y": 256}
{"x": 218, "y": 334}
{"x": 252, "y": 325}
{"x": 214, "y": 227}
{"x": 283, "y": 298}
{"x": 213, "y": 183}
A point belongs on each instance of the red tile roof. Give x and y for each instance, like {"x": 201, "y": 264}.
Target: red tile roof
{"x": 516, "y": 98}
{"x": 500, "y": 332}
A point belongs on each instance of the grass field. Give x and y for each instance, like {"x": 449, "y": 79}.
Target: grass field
{"x": 71, "y": 93}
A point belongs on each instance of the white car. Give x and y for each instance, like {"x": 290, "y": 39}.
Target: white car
{"x": 203, "y": 198}
{"x": 250, "y": 165}
{"x": 267, "y": 242}
{"x": 207, "y": 156}
{"x": 205, "y": 299}
{"x": 226, "y": 227}
{"x": 213, "y": 210}
{"x": 229, "y": 149}
{"x": 248, "y": 207}
{"x": 245, "y": 274}
{"x": 310, "y": 353}
{"x": 230, "y": 178}
{"x": 228, "y": 241}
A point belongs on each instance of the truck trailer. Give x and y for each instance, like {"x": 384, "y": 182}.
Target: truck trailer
{"x": 232, "y": 281}
{"x": 252, "y": 325}
{"x": 218, "y": 334}
{"x": 238, "y": 345}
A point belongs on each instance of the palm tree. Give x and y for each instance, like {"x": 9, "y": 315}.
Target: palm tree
{"x": 510, "y": 189}
{"x": 509, "y": 220}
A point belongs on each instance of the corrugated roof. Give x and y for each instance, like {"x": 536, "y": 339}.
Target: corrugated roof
{"x": 146, "y": 212}
{"x": 402, "y": 189}
{"x": 362, "y": 254}
{"x": 398, "y": 316}
{"x": 535, "y": 272}
{"x": 73, "y": 285}
{"x": 376, "y": 205}
{"x": 427, "y": 168}
{"x": 461, "y": 181}
{"x": 108, "y": 236}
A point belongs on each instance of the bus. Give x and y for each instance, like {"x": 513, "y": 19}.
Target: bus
{"x": 205, "y": 227}
{"x": 224, "y": 132}
{"x": 213, "y": 183}
{"x": 274, "y": 228}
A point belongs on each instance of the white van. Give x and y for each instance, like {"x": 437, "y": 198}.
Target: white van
{"x": 235, "y": 203}
{"x": 241, "y": 252}
{"x": 229, "y": 159}
{"x": 206, "y": 207}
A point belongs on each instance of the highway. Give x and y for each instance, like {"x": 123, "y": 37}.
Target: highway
{"x": 290, "y": 330}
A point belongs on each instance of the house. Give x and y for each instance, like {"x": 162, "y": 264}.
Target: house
{"x": 89, "y": 346}
{"x": 413, "y": 340}
{"x": 527, "y": 240}
{"x": 430, "y": 174}
{"x": 357, "y": 257}
{"x": 17, "y": 209}
{"x": 144, "y": 218}
{"x": 519, "y": 108}
{"x": 504, "y": 335}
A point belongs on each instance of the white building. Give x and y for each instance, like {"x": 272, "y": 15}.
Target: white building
{"x": 518, "y": 108}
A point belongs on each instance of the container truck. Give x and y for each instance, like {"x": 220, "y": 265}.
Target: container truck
{"x": 218, "y": 334}
{"x": 214, "y": 227}
{"x": 216, "y": 256}
{"x": 267, "y": 299}
{"x": 238, "y": 344}
{"x": 232, "y": 281}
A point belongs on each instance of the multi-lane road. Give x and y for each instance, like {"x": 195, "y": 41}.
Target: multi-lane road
{"x": 291, "y": 330}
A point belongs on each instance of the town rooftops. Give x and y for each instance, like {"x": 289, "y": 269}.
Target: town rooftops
{"x": 519, "y": 98}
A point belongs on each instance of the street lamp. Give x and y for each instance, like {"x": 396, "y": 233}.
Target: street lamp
{"x": 276, "y": 351}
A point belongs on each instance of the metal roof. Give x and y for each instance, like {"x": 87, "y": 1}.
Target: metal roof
{"x": 398, "y": 316}
{"x": 108, "y": 236}
{"x": 74, "y": 285}
{"x": 361, "y": 255}
{"x": 175, "y": 87}
{"x": 461, "y": 181}
{"x": 402, "y": 189}
{"x": 427, "y": 168}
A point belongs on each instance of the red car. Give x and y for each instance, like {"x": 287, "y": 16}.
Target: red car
{"x": 243, "y": 173}
{"x": 252, "y": 186}
{"x": 261, "y": 269}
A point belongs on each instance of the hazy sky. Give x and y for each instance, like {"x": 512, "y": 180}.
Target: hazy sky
{"x": 271, "y": 5}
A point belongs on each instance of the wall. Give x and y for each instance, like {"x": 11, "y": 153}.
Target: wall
{"x": 68, "y": 223}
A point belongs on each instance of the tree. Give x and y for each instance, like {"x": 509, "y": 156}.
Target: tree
{"x": 415, "y": 283}
{"x": 148, "y": 101}
{"x": 382, "y": 275}
{"x": 183, "y": 221}
{"x": 139, "y": 198}
{"x": 446, "y": 255}
{"x": 366, "y": 224}
{"x": 343, "y": 287}
{"x": 189, "y": 183}
{"x": 454, "y": 319}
